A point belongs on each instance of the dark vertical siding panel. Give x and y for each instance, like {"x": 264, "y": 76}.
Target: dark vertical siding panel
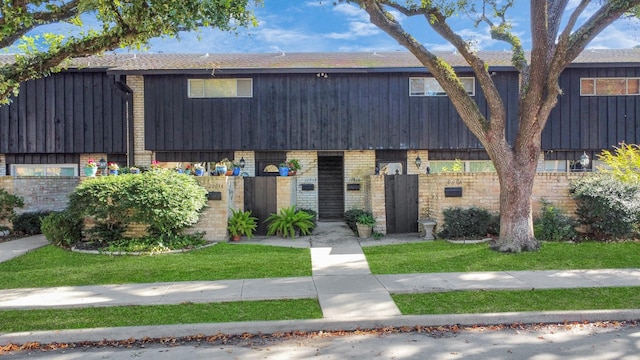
{"x": 88, "y": 112}
{"x": 78, "y": 114}
{"x": 30, "y": 131}
{"x": 5, "y": 121}
{"x": 60, "y": 118}
{"x": 107, "y": 116}
{"x": 50, "y": 115}
{"x": 39, "y": 143}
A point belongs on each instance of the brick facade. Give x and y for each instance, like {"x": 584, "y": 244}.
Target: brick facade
{"x": 358, "y": 165}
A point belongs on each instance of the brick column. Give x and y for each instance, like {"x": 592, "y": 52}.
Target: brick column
{"x": 142, "y": 156}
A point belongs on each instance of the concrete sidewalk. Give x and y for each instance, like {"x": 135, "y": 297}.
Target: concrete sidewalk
{"x": 349, "y": 295}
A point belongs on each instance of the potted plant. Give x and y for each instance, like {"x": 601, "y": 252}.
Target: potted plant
{"x": 199, "y": 169}
{"x": 428, "y": 223}
{"x": 294, "y": 166}
{"x": 283, "y": 169}
{"x": 223, "y": 166}
{"x": 365, "y": 224}
{"x": 236, "y": 169}
{"x": 241, "y": 223}
{"x": 187, "y": 169}
{"x": 290, "y": 222}
{"x": 155, "y": 165}
{"x": 134, "y": 170}
{"x": 113, "y": 168}
{"x": 90, "y": 168}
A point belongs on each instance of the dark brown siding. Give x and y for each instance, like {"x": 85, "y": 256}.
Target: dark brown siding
{"x": 303, "y": 111}
{"x": 586, "y": 123}
{"x": 72, "y": 112}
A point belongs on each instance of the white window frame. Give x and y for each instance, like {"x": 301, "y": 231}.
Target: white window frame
{"x": 466, "y": 166}
{"x": 44, "y": 169}
{"x": 219, "y": 88}
{"x": 431, "y": 87}
{"x": 594, "y": 86}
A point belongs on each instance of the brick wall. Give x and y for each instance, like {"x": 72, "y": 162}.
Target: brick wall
{"x": 286, "y": 190}
{"x": 142, "y": 156}
{"x": 307, "y": 175}
{"x": 483, "y": 190}
{"x": 358, "y": 165}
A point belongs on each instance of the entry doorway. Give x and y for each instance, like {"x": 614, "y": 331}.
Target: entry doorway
{"x": 330, "y": 187}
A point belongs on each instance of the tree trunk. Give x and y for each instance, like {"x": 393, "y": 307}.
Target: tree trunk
{"x": 516, "y": 221}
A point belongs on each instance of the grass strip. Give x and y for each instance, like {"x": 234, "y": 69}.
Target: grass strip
{"x": 442, "y": 256}
{"x": 189, "y": 313}
{"x": 51, "y": 266}
{"x": 477, "y": 301}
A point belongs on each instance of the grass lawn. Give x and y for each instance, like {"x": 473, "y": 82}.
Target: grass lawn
{"x": 54, "y": 319}
{"x": 464, "y": 302}
{"x": 52, "y": 266}
{"x": 441, "y": 256}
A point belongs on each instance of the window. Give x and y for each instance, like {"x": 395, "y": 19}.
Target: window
{"x": 472, "y": 166}
{"x": 44, "y": 170}
{"x": 555, "y": 165}
{"x": 220, "y": 88}
{"x": 428, "y": 86}
{"x": 609, "y": 86}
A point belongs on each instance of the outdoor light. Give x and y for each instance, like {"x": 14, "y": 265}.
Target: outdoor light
{"x": 418, "y": 161}
{"x": 584, "y": 160}
{"x": 242, "y": 163}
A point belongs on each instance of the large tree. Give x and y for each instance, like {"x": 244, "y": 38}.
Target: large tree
{"x": 119, "y": 23}
{"x": 558, "y": 35}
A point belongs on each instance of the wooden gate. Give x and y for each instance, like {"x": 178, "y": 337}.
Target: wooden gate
{"x": 401, "y": 203}
{"x": 260, "y": 196}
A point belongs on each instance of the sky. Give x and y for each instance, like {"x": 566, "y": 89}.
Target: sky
{"x": 322, "y": 26}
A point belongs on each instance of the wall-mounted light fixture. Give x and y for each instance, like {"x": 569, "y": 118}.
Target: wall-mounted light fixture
{"x": 322, "y": 75}
{"x": 418, "y": 161}
{"x": 584, "y": 160}
{"x": 242, "y": 163}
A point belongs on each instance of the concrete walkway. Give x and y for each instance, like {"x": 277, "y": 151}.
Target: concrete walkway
{"x": 349, "y": 295}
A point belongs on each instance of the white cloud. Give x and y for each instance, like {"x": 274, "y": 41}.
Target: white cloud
{"x": 622, "y": 34}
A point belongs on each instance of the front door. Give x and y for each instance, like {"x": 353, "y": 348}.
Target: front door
{"x": 330, "y": 188}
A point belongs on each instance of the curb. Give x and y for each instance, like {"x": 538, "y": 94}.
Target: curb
{"x": 269, "y": 327}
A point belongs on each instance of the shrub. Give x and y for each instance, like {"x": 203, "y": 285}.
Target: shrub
{"x": 608, "y": 207}
{"x": 288, "y": 222}
{"x": 29, "y": 223}
{"x": 62, "y": 229}
{"x": 8, "y": 204}
{"x": 350, "y": 217}
{"x": 314, "y": 216}
{"x": 163, "y": 200}
{"x": 623, "y": 163}
{"x": 554, "y": 224}
{"x": 366, "y": 219}
{"x": 463, "y": 223}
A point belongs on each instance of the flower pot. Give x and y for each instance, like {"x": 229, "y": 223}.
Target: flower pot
{"x": 364, "y": 231}
{"x": 284, "y": 171}
{"x": 90, "y": 171}
{"x": 188, "y": 171}
{"x": 428, "y": 225}
{"x": 179, "y": 171}
{"x": 221, "y": 169}
{"x": 199, "y": 172}
{"x": 236, "y": 237}
{"x": 113, "y": 172}
{"x": 229, "y": 172}
{"x": 135, "y": 171}
{"x": 293, "y": 172}
{"x": 236, "y": 171}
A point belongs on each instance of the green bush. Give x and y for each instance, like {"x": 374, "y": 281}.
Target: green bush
{"x": 351, "y": 216}
{"x": 465, "y": 223}
{"x": 29, "y": 223}
{"x": 62, "y": 229}
{"x": 553, "y": 224}
{"x": 623, "y": 163}
{"x": 167, "y": 202}
{"x": 288, "y": 222}
{"x": 314, "y": 216}
{"x": 8, "y": 204}
{"x": 610, "y": 208}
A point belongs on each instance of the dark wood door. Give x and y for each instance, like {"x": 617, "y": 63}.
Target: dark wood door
{"x": 260, "y": 196}
{"x": 330, "y": 188}
{"x": 401, "y": 203}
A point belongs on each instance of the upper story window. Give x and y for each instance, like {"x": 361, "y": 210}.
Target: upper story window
{"x": 428, "y": 86}
{"x": 220, "y": 88}
{"x": 609, "y": 86}
{"x": 44, "y": 170}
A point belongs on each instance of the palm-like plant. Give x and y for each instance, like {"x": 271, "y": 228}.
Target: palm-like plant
{"x": 289, "y": 221}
